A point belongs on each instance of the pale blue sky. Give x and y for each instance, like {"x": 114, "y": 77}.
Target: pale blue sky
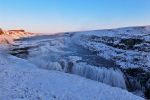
{"x": 71, "y": 15}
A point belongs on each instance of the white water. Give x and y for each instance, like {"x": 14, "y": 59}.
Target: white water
{"x": 109, "y": 76}
{"x": 55, "y": 57}
{"x": 113, "y": 77}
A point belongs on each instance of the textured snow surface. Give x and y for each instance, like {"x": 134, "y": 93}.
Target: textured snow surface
{"x": 20, "y": 80}
{"x": 105, "y": 43}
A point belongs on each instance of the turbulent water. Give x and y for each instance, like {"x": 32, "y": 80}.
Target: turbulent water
{"x": 62, "y": 53}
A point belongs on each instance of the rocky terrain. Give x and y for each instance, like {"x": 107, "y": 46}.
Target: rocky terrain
{"x": 129, "y": 48}
{"x": 7, "y": 37}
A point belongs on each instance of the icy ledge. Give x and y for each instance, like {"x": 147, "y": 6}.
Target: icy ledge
{"x": 20, "y": 80}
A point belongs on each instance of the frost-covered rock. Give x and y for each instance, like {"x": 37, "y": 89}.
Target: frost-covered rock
{"x": 128, "y": 47}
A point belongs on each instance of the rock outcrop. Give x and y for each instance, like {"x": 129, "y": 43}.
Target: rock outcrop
{"x": 20, "y": 30}
{"x": 1, "y": 31}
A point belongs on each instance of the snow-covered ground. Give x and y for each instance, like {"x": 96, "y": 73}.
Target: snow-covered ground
{"x": 128, "y": 47}
{"x": 21, "y": 80}
{"x": 69, "y": 66}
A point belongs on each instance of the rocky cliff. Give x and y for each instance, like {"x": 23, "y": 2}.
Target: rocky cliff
{"x": 7, "y": 37}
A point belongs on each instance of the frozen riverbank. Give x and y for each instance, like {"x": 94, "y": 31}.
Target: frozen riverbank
{"x": 21, "y": 80}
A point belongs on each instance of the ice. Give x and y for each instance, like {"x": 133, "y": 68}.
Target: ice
{"x": 124, "y": 58}
{"x": 54, "y": 66}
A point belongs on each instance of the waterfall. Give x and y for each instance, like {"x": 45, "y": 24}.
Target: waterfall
{"x": 44, "y": 57}
{"x": 108, "y": 76}
{"x": 72, "y": 65}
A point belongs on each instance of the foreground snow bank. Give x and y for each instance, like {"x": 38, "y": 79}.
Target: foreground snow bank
{"x": 21, "y": 80}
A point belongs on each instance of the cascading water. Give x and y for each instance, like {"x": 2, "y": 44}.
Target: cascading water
{"x": 113, "y": 77}
{"x": 54, "y": 54}
{"x": 79, "y": 54}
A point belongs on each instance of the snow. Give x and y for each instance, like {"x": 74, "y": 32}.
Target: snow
{"x": 124, "y": 58}
{"x": 53, "y": 69}
{"x": 22, "y": 80}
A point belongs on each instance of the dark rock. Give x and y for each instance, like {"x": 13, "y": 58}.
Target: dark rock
{"x": 1, "y": 31}
{"x": 134, "y": 71}
{"x": 138, "y": 79}
{"x": 20, "y": 52}
{"x": 131, "y": 42}
{"x": 21, "y": 30}
{"x": 147, "y": 90}
{"x": 70, "y": 66}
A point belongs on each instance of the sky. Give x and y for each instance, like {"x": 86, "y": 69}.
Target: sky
{"x": 50, "y": 16}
